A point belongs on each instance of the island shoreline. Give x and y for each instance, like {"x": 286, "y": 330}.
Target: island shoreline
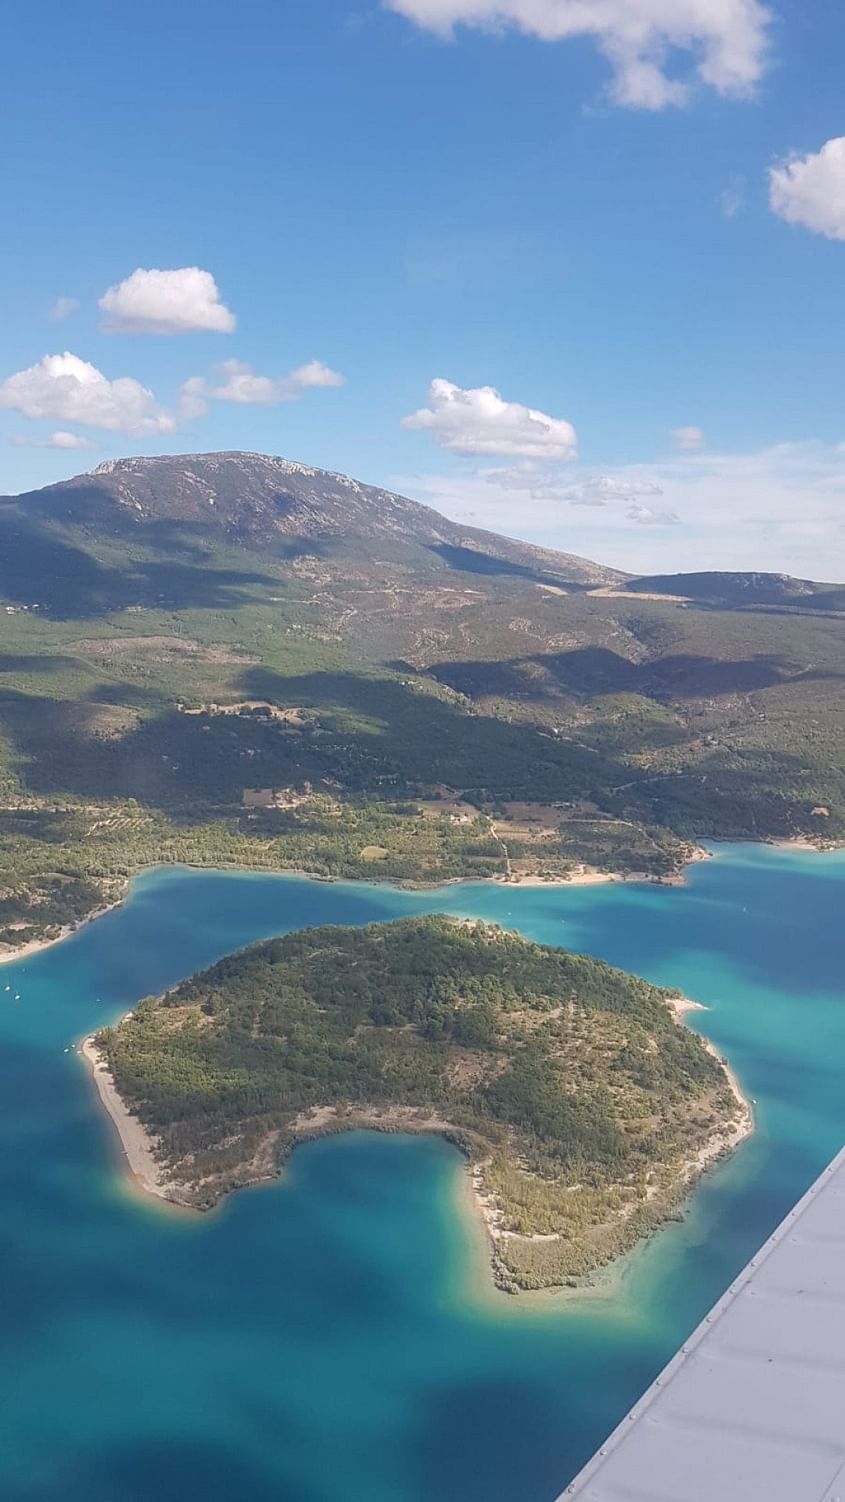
{"x": 138, "y": 1166}
{"x": 589, "y": 877}
{"x": 141, "y": 1170}
{"x": 586, "y": 878}
{"x": 70, "y": 930}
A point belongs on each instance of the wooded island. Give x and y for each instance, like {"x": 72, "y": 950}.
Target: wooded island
{"x": 582, "y": 1106}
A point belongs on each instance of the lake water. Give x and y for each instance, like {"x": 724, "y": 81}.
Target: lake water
{"x": 330, "y": 1338}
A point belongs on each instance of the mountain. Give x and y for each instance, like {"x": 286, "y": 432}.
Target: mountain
{"x": 257, "y": 498}
{"x": 269, "y": 506}
{"x": 235, "y": 659}
{"x": 740, "y": 591}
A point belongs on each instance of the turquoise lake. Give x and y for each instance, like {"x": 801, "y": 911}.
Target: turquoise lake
{"x": 330, "y": 1338}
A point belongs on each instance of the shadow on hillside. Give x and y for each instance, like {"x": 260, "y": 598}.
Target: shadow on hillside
{"x": 98, "y": 510}
{"x": 58, "y": 578}
{"x": 130, "y": 695}
{"x": 381, "y": 738}
{"x": 815, "y": 609}
{"x": 66, "y": 582}
{"x": 369, "y": 735}
{"x": 470, "y": 561}
{"x": 586, "y": 671}
{"x": 97, "y": 514}
{"x": 21, "y": 662}
{"x": 763, "y": 798}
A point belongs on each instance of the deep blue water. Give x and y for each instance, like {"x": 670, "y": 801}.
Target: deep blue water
{"x": 330, "y": 1338}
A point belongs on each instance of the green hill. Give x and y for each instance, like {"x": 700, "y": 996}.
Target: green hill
{"x": 580, "y": 1102}
{"x": 744, "y": 590}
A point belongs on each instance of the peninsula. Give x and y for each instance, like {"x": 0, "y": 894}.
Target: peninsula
{"x": 583, "y": 1106}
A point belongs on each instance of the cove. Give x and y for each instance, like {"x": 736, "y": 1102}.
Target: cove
{"x": 333, "y": 1336}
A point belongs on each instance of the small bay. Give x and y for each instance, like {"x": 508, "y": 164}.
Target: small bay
{"x": 334, "y": 1337}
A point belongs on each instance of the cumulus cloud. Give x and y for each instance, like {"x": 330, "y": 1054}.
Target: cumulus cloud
{"x": 59, "y": 440}
{"x": 241, "y": 384}
{"x": 480, "y": 421}
{"x": 724, "y": 41}
{"x": 810, "y": 190}
{"x": 688, "y": 439}
{"x": 64, "y": 307}
{"x": 184, "y": 301}
{"x": 65, "y": 388}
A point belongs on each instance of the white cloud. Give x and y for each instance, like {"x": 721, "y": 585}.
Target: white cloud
{"x": 60, "y": 440}
{"x": 240, "y": 384}
{"x": 600, "y": 490}
{"x": 550, "y": 485}
{"x": 193, "y": 396}
{"x": 646, "y": 517}
{"x": 480, "y": 421}
{"x": 688, "y": 439}
{"x": 732, "y": 198}
{"x": 810, "y": 190}
{"x": 540, "y": 483}
{"x": 64, "y": 388}
{"x": 779, "y": 509}
{"x": 63, "y": 440}
{"x": 64, "y": 307}
{"x": 184, "y": 301}
{"x": 726, "y": 39}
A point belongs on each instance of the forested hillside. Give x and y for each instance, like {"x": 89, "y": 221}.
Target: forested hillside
{"x": 231, "y": 659}
{"x": 579, "y": 1100}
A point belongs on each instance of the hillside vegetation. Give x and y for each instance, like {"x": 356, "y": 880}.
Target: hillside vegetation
{"x": 229, "y": 659}
{"x": 578, "y": 1099}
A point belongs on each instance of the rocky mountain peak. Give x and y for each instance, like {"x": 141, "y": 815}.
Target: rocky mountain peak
{"x": 261, "y": 500}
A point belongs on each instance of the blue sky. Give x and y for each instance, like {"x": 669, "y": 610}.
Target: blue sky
{"x": 519, "y": 208}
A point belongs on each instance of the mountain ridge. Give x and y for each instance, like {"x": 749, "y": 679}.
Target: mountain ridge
{"x": 260, "y": 498}
{"x": 251, "y": 497}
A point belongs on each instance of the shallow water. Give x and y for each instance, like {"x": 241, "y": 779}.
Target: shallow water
{"x": 330, "y": 1338}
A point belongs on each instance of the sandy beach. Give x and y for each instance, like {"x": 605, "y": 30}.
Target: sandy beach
{"x": 800, "y": 842}
{"x": 37, "y": 946}
{"x": 680, "y": 1005}
{"x": 10, "y": 956}
{"x": 577, "y": 879}
{"x": 727, "y": 1138}
{"x": 141, "y": 1164}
